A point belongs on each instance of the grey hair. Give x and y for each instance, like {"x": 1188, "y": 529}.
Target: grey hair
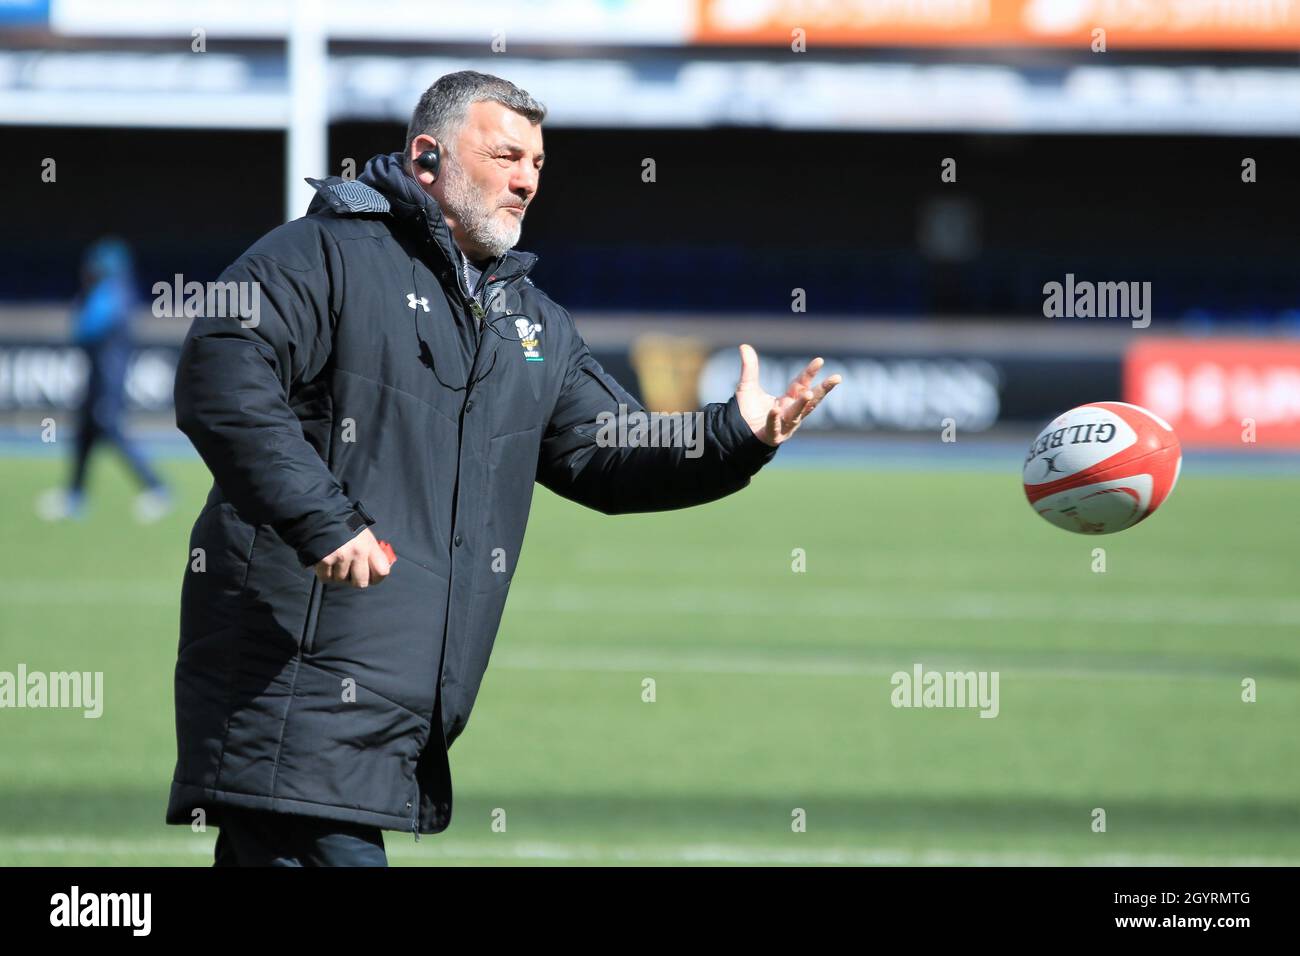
{"x": 444, "y": 107}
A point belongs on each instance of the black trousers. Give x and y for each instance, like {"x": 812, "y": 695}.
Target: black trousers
{"x": 262, "y": 838}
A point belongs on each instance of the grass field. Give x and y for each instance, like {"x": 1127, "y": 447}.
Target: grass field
{"x": 1118, "y": 690}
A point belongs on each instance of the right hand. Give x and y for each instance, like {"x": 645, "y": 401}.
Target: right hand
{"x": 360, "y": 563}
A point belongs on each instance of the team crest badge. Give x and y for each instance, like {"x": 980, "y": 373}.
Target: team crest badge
{"x": 528, "y": 338}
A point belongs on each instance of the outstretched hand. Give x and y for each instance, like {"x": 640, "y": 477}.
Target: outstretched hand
{"x": 774, "y": 419}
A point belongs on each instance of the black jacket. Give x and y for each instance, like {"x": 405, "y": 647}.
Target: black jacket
{"x": 365, "y": 394}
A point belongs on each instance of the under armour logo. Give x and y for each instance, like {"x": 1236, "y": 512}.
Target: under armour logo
{"x": 412, "y": 301}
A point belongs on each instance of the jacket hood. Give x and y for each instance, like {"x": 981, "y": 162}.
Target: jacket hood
{"x": 385, "y": 188}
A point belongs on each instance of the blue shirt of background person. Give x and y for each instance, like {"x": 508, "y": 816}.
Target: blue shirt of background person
{"x": 103, "y": 319}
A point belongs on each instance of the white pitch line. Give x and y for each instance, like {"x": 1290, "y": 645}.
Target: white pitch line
{"x": 436, "y": 850}
{"x": 72, "y": 591}
{"x": 872, "y": 606}
{"x": 824, "y": 602}
{"x": 742, "y": 661}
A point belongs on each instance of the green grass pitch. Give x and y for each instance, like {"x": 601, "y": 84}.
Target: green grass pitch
{"x": 1119, "y": 690}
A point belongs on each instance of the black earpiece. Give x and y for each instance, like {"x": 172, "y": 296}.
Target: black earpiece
{"x": 430, "y": 159}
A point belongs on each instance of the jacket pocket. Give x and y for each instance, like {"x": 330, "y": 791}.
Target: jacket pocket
{"x": 387, "y": 637}
{"x": 276, "y": 591}
{"x": 308, "y": 638}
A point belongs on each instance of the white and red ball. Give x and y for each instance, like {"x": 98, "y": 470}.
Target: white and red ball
{"x": 1102, "y": 467}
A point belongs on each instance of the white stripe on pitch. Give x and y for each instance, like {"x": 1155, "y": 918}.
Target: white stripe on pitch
{"x": 435, "y": 850}
{"x": 817, "y": 602}
{"x": 746, "y": 661}
{"x": 865, "y": 605}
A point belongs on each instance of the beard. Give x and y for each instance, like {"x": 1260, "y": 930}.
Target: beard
{"x": 478, "y": 214}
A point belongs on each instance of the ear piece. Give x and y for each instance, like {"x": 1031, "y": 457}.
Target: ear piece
{"x": 430, "y": 159}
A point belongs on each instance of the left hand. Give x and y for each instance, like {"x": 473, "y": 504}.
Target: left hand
{"x": 775, "y": 419}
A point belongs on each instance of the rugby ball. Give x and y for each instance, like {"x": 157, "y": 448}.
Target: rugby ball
{"x": 1102, "y": 467}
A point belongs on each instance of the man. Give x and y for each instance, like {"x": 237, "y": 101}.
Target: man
{"x": 102, "y": 329}
{"x": 385, "y": 393}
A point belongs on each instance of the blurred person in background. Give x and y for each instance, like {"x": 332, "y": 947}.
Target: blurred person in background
{"x": 102, "y": 329}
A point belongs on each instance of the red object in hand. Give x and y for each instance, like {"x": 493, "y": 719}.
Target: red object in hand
{"x": 388, "y": 551}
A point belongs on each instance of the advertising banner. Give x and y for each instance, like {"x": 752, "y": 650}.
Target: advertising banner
{"x": 1220, "y": 392}
{"x": 1126, "y": 24}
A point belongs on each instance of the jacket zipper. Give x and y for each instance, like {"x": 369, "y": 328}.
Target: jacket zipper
{"x": 476, "y": 311}
{"x": 479, "y": 316}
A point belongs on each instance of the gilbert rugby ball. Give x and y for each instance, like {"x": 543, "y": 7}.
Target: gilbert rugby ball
{"x": 1102, "y": 467}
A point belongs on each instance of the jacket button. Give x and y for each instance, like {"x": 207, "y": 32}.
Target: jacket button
{"x": 459, "y": 540}
{"x": 469, "y": 405}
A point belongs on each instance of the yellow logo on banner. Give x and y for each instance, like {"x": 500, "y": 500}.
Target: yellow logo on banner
{"x": 668, "y": 370}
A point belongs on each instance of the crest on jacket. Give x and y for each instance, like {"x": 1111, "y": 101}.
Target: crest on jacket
{"x": 528, "y": 337}
{"x": 503, "y": 301}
